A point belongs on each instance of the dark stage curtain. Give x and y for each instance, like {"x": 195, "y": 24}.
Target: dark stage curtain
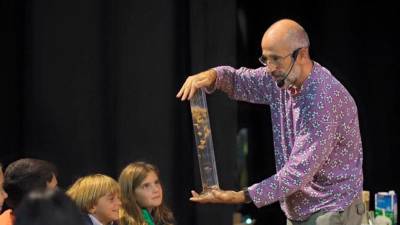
{"x": 91, "y": 85}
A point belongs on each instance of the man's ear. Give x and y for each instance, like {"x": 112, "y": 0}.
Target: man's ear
{"x": 303, "y": 55}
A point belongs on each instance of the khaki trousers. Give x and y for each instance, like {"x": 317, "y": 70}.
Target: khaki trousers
{"x": 352, "y": 215}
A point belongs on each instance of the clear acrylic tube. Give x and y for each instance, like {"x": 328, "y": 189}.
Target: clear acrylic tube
{"x": 204, "y": 143}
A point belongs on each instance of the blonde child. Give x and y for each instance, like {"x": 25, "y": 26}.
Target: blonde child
{"x": 142, "y": 196}
{"x": 98, "y": 197}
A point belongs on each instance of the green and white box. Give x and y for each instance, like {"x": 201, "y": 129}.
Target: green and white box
{"x": 386, "y": 207}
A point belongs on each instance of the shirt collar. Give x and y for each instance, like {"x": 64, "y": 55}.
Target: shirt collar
{"x": 94, "y": 220}
{"x": 295, "y": 91}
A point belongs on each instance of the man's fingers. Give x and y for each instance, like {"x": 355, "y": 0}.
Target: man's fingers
{"x": 196, "y": 197}
{"x": 193, "y": 90}
{"x": 215, "y": 196}
{"x": 184, "y": 94}
{"x": 209, "y": 197}
{"x": 186, "y": 89}
{"x": 180, "y": 92}
{"x": 194, "y": 82}
{"x": 194, "y": 194}
{"x": 202, "y": 198}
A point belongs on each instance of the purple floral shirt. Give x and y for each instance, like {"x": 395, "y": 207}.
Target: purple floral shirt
{"x": 318, "y": 150}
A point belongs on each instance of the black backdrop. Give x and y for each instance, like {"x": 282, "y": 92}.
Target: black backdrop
{"x": 90, "y": 86}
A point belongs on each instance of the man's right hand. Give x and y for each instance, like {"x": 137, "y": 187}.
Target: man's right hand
{"x": 204, "y": 79}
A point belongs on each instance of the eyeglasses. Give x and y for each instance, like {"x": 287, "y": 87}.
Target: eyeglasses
{"x": 276, "y": 59}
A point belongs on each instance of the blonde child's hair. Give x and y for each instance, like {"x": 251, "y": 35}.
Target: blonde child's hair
{"x": 86, "y": 191}
{"x": 131, "y": 177}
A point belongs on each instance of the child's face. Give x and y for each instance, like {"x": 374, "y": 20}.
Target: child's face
{"x": 3, "y": 194}
{"x": 107, "y": 208}
{"x": 149, "y": 193}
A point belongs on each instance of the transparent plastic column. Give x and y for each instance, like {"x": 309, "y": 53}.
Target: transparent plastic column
{"x": 204, "y": 143}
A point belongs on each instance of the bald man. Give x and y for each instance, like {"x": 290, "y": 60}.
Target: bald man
{"x": 318, "y": 150}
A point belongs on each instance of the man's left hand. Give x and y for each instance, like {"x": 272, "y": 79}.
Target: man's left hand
{"x": 219, "y": 196}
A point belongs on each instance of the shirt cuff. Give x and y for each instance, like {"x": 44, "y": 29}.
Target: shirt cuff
{"x": 257, "y": 200}
{"x": 219, "y": 71}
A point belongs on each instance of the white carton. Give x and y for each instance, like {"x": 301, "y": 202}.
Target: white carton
{"x": 386, "y": 208}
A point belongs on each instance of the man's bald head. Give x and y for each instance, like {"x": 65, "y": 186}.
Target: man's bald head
{"x": 285, "y": 35}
